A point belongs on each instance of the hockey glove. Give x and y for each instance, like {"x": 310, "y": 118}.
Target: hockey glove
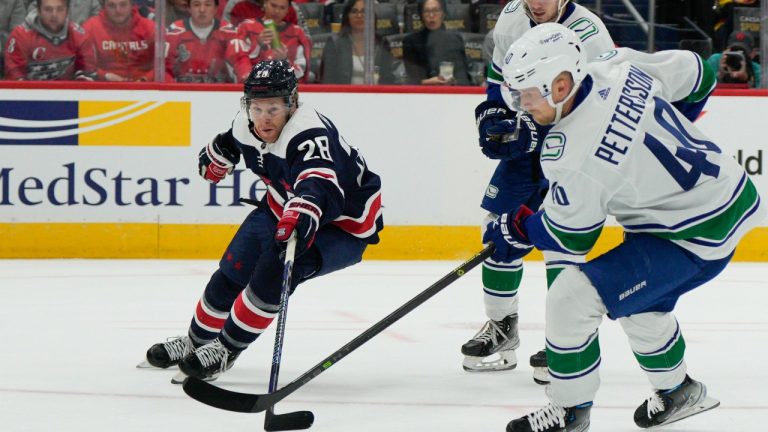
{"x": 508, "y": 234}
{"x": 496, "y": 125}
{"x": 301, "y": 216}
{"x": 218, "y": 158}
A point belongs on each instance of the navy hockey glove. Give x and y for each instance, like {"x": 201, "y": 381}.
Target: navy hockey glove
{"x": 496, "y": 125}
{"x": 218, "y": 158}
{"x": 508, "y": 234}
{"x": 301, "y": 216}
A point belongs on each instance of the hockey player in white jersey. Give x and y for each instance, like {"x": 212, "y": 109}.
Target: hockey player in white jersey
{"x": 618, "y": 147}
{"x": 517, "y": 178}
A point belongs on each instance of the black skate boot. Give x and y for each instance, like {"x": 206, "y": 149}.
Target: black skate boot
{"x": 496, "y": 337}
{"x": 540, "y": 371}
{"x": 209, "y": 361}
{"x": 553, "y": 418}
{"x": 668, "y": 406}
{"x": 166, "y": 354}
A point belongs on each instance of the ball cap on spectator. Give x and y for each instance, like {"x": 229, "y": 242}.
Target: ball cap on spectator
{"x": 742, "y": 40}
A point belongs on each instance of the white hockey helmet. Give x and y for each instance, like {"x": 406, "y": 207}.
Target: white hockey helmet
{"x": 561, "y": 4}
{"x": 533, "y": 62}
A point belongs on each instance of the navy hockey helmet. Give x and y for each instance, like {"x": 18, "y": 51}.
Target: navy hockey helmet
{"x": 271, "y": 78}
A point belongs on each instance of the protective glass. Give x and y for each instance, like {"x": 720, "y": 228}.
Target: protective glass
{"x": 264, "y": 107}
{"x": 523, "y": 100}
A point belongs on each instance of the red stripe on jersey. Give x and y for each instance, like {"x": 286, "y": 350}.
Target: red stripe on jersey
{"x": 324, "y": 175}
{"x": 275, "y": 206}
{"x": 207, "y": 319}
{"x": 355, "y": 227}
{"x": 248, "y": 317}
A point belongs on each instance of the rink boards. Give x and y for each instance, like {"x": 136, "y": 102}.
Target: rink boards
{"x": 113, "y": 173}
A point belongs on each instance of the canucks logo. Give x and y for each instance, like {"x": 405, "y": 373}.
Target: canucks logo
{"x": 606, "y": 55}
{"x": 553, "y": 147}
{"x": 512, "y": 6}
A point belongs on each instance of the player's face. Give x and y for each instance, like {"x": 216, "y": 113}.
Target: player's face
{"x": 432, "y": 15}
{"x": 53, "y": 14}
{"x": 118, "y": 12}
{"x": 276, "y": 9}
{"x": 202, "y": 12}
{"x": 542, "y": 11}
{"x": 357, "y": 17}
{"x": 269, "y": 117}
{"x": 531, "y": 101}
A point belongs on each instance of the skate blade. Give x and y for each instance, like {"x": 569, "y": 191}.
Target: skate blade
{"x": 541, "y": 375}
{"x": 144, "y": 365}
{"x": 707, "y": 404}
{"x": 501, "y": 361}
{"x": 179, "y": 378}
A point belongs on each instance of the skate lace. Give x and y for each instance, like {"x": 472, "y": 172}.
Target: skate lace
{"x": 490, "y": 333}
{"x": 547, "y": 417}
{"x": 655, "y": 405}
{"x": 213, "y": 353}
{"x": 178, "y": 347}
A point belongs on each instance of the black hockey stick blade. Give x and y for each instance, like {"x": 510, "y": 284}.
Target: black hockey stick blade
{"x": 289, "y": 421}
{"x": 246, "y": 402}
{"x": 218, "y": 397}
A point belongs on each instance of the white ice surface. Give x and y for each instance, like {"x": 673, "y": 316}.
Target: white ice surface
{"x": 75, "y": 329}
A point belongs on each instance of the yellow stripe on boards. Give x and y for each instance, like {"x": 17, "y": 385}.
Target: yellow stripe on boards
{"x": 198, "y": 241}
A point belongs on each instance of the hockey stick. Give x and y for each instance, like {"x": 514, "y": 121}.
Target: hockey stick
{"x": 252, "y": 403}
{"x": 298, "y": 419}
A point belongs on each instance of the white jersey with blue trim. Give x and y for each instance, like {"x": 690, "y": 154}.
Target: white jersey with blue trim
{"x": 513, "y": 22}
{"x": 625, "y": 151}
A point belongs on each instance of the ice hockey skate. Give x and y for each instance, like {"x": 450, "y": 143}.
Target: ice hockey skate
{"x": 208, "y": 362}
{"x": 493, "y": 347}
{"x": 668, "y": 406}
{"x": 538, "y": 362}
{"x": 553, "y": 418}
{"x": 166, "y": 354}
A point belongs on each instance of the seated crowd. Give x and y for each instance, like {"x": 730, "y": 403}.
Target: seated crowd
{"x": 427, "y": 42}
{"x": 211, "y": 41}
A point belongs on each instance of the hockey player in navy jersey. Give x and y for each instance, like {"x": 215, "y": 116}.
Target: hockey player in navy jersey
{"x": 617, "y": 146}
{"x": 514, "y": 141}
{"x": 318, "y": 187}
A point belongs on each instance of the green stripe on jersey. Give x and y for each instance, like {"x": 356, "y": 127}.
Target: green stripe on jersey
{"x": 552, "y": 273}
{"x": 708, "y": 81}
{"x": 576, "y": 242}
{"x": 493, "y": 75}
{"x": 502, "y": 281}
{"x": 718, "y": 227}
{"x": 572, "y": 363}
{"x": 666, "y": 360}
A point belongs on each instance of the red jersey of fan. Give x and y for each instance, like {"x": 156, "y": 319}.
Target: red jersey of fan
{"x": 32, "y": 53}
{"x": 191, "y": 59}
{"x": 245, "y": 51}
{"x": 247, "y": 9}
{"x": 126, "y": 51}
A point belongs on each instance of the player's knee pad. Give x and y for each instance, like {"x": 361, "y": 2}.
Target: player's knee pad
{"x": 573, "y": 304}
{"x": 221, "y": 291}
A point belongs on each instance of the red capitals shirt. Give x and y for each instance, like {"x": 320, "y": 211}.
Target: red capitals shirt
{"x": 32, "y": 53}
{"x": 245, "y": 51}
{"x": 191, "y": 59}
{"x": 126, "y": 51}
{"x": 247, "y": 9}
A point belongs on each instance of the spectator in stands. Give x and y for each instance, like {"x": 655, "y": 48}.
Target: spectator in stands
{"x": 426, "y": 49}
{"x": 174, "y": 9}
{"x": 735, "y": 64}
{"x": 197, "y": 45}
{"x": 11, "y": 14}
{"x": 49, "y": 47}
{"x": 125, "y": 42}
{"x": 79, "y": 10}
{"x": 238, "y": 11}
{"x": 343, "y": 53}
{"x": 255, "y": 42}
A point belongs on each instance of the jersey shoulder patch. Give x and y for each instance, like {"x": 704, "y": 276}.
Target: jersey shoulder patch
{"x": 584, "y": 28}
{"x": 512, "y": 6}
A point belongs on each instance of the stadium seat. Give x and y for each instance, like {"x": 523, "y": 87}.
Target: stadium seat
{"x": 313, "y": 16}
